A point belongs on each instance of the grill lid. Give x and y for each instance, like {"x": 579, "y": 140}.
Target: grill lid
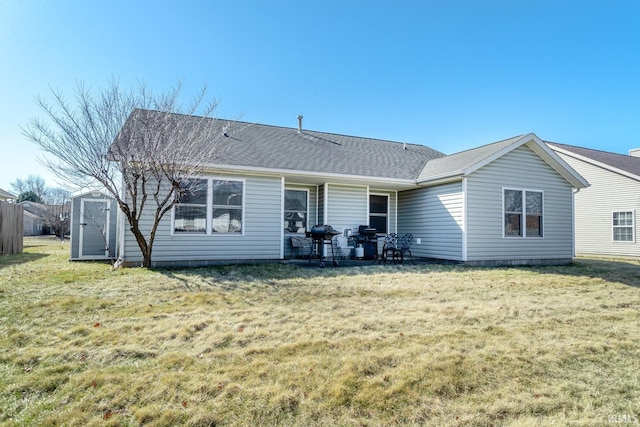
{"x": 319, "y": 230}
{"x": 366, "y": 230}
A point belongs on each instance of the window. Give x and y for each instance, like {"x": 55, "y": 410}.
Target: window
{"x": 623, "y": 226}
{"x": 378, "y": 213}
{"x": 210, "y": 206}
{"x": 295, "y": 211}
{"x": 523, "y": 213}
{"x": 227, "y": 206}
{"x": 190, "y": 214}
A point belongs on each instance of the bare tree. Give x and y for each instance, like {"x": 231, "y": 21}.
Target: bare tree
{"x": 57, "y": 211}
{"x": 137, "y": 146}
{"x": 34, "y": 184}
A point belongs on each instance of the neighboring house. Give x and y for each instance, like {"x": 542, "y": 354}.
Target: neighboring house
{"x": 5, "y": 196}
{"x": 32, "y": 224}
{"x": 504, "y": 203}
{"x": 605, "y": 212}
{"x": 34, "y": 219}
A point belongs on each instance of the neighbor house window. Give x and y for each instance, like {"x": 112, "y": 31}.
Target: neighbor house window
{"x": 210, "y": 206}
{"x": 379, "y": 213}
{"x": 190, "y": 214}
{"x": 523, "y": 213}
{"x": 623, "y": 226}
{"x": 295, "y": 211}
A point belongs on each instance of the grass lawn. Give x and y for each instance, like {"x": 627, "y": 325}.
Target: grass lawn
{"x": 82, "y": 344}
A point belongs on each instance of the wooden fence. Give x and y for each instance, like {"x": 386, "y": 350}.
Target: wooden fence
{"x": 10, "y": 228}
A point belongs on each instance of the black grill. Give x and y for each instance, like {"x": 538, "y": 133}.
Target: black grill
{"x": 368, "y": 239}
{"x": 322, "y": 235}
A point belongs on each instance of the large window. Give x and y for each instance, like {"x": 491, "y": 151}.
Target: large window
{"x": 379, "y": 213}
{"x": 523, "y": 213}
{"x": 295, "y": 211}
{"x": 190, "y": 214}
{"x": 623, "y": 226}
{"x": 210, "y": 206}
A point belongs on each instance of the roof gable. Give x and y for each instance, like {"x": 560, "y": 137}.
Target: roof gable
{"x": 466, "y": 162}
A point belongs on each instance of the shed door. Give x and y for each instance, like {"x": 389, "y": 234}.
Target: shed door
{"x": 94, "y": 229}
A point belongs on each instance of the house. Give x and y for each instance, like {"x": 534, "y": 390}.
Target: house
{"x": 32, "y": 224}
{"x": 34, "y": 219}
{"x": 5, "y": 196}
{"x": 606, "y": 211}
{"x": 510, "y": 202}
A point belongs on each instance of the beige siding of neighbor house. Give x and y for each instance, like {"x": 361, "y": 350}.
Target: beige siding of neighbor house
{"x": 261, "y": 238}
{"x": 608, "y": 192}
{"x": 518, "y": 169}
{"x": 435, "y": 215}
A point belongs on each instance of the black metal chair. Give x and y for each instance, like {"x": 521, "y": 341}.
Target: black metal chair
{"x": 404, "y": 247}
{"x": 390, "y": 245}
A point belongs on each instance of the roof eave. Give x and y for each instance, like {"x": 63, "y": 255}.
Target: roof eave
{"x": 320, "y": 177}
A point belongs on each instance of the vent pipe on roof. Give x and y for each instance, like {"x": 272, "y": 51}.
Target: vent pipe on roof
{"x": 299, "y": 123}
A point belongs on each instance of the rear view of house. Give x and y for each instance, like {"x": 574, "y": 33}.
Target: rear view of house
{"x": 509, "y": 202}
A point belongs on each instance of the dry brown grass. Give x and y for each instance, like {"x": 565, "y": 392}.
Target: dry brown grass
{"x": 284, "y": 345}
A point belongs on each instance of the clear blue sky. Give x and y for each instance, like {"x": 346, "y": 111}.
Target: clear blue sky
{"x": 444, "y": 73}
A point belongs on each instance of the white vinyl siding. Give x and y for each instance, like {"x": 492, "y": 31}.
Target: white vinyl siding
{"x": 608, "y": 192}
{"x": 434, "y": 215}
{"x": 261, "y": 237}
{"x": 347, "y": 206}
{"x": 485, "y": 218}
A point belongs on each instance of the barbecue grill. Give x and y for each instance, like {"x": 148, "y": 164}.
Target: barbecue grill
{"x": 322, "y": 235}
{"x": 367, "y": 238}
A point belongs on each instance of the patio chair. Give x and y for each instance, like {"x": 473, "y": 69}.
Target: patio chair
{"x": 390, "y": 245}
{"x": 404, "y": 247}
{"x": 301, "y": 245}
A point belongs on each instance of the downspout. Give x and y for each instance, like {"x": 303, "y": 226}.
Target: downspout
{"x": 120, "y": 252}
{"x": 464, "y": 219}
{"x": 574, "y": 191}
{"x": 281, "y": 217}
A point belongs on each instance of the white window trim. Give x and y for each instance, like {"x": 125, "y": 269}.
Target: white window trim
{"x": 209, "y": 222}
{"x": 633, "y": 227}
{"x": 524, "y": 214}
{"x": 369, "y": 214}
{"x": 308, "y": 227}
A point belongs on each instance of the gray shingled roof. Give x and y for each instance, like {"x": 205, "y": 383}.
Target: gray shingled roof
{"x": 251, "y": 145}
{"x": 619, "y": 161}
{"x": 457, "y": 163}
